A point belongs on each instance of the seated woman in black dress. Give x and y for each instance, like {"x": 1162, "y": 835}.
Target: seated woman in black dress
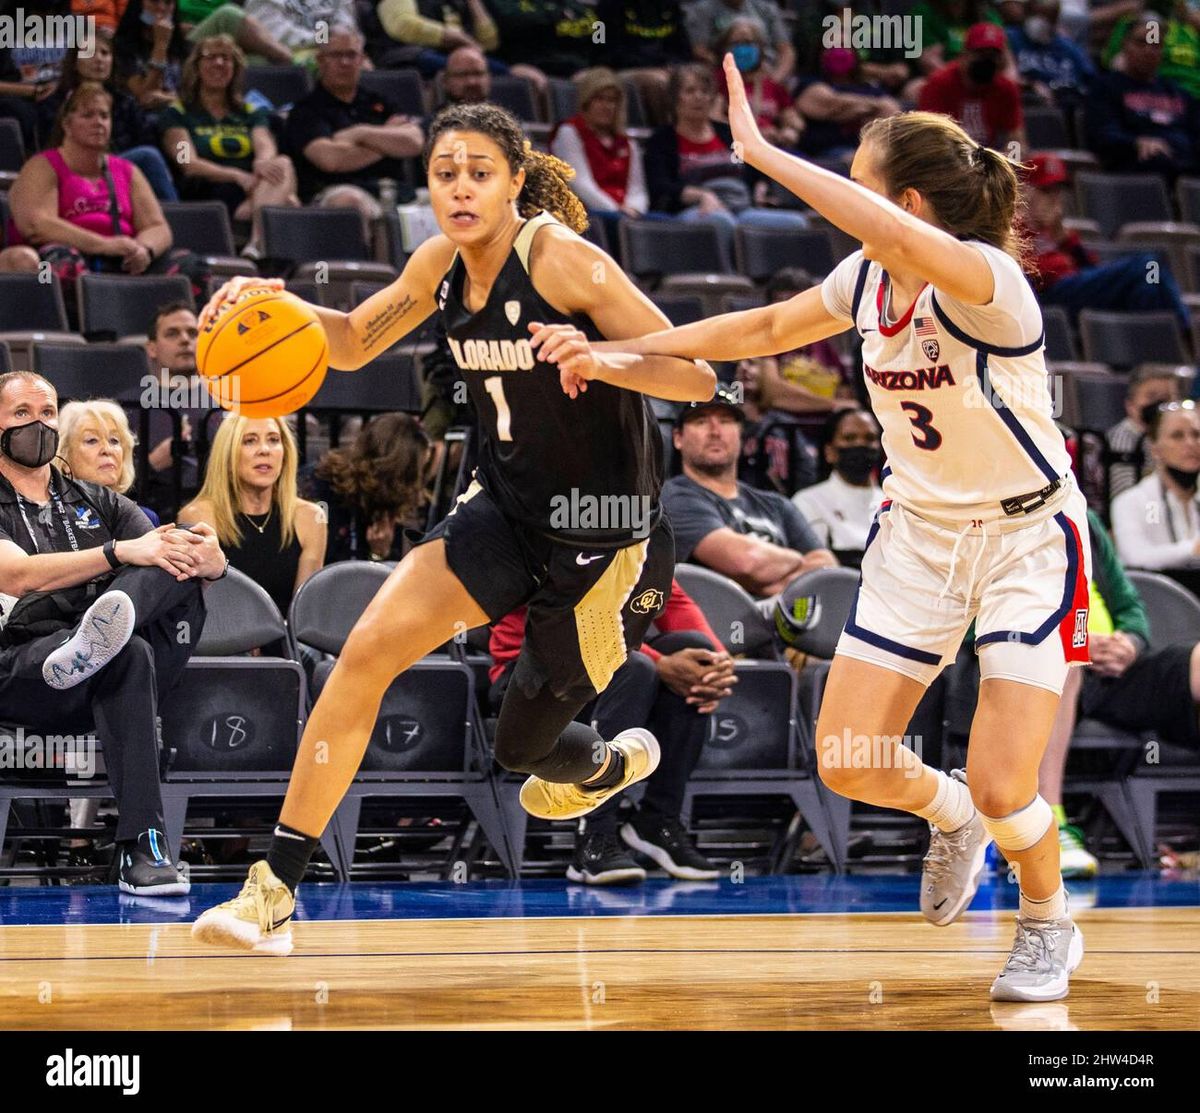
{"x": 249, "y": 497}
{"x": 371, "y": 489}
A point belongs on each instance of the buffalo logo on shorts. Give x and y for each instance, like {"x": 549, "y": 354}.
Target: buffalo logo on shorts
{"x": 649, "y": 602}
{"x": 1079, "y": 639}
{"x": 512, "y": 310}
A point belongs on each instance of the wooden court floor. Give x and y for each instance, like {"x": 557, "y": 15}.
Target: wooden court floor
{"x": 868, "y": 971}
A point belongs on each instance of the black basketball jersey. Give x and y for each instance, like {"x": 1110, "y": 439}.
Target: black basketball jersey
{"x": 585, "y": 471}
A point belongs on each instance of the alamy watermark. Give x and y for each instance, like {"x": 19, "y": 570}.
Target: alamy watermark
{"x": 69, "y": 752}
{"x": 872, "y": 751}
{"x": 866, "y": 32}
{"x": 24, "y": 30}
{"x": 579, "y": 511}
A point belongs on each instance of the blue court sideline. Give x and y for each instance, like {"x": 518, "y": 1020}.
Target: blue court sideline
{"x": 98, "y": 904}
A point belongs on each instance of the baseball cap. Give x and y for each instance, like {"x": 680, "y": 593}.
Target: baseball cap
{"x": 725, "y": 397}
{"x": 1048, "y": 171}
{"x": 986, "y": 36}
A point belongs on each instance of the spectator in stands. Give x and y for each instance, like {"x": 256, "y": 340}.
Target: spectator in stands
{"x": 171, "y": 354}
{"x": 1156, "y": 522}
{"x": 1050, "y": 66}
{"x": 201, "y": 19}
{"x": 645, "y": 38}
{"x": 1129, "y": 460}
{"x": 348, "y": 139}
{"x": 689, "y": 167}
{"x": 106, "y": 13}
{"x": 222, "y": 145}
{"x": 19, "y": 98}
{"x": 71, "y": 548}
{"x": 551, "y": 36}
{"x": 837, "y": 104}
{"x": 1179, "y": 34}
{"x": 976, "y": 93}
{"x": 78, "y": 208}
{"x": 757, "y": 538}
{"x": 708, "y": 20}
{"x": 1136, "y": 119}
{"x": 609, "y": 177}
{"x": 466, "y": 78}
{"x": 424, "y": 32}
{"x": 133, "y": 132}
{"x": 670, "y": 685}
{"x": 301, "y": 27}
{"x": 1067, "y": 274}
{"x": 777, "y": 117}
{"x": 151, "y": 49}
{"x": 1132, "y": 685}
{"x": 96, "y": 445}
{"x": 249, "y": 498}
{"x": 372, "y": 489}
{"x": 944, "y": 27}
{"x": 841, "y": 509}
{"x": 776, "y": 454}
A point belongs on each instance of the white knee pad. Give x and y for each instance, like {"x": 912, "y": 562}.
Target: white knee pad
{"x": 1023, "y": 828}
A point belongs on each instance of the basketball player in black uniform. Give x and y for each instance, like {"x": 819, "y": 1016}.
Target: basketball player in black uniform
{"x": 562, "y": 513}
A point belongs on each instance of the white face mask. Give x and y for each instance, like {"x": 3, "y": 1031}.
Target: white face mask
{"x": 1039, "y": 29}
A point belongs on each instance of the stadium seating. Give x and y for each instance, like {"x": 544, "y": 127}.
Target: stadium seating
{"x": 1126, "y": 339}
{"x": 762, "y": 252}
{"x": 12, "y": 152}
{"x": 31, "y": 312}
{"x": 1060, "y": 337}
{"x": 83, "y": 371}
{"x": 116, "y": 306}
{"x": 203, "y": 227}
{"x": 1116, "y": 199}
{"x": 1170, "y": 239}
{"x": 678, "y": 258}
{"x": 681, "y": 309}
{"x": 757, "y": 745}
{"x": 402, "y": 87}
{"x": 1046, "y": 128}
{"x": 564, "y": 98}
{"x": 281, "y": 85}
{"x": 1092, "y": 397}
{"x": 1187, "y": 192}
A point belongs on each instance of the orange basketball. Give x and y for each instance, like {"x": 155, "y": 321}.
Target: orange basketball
{"x": 265, "y": 354}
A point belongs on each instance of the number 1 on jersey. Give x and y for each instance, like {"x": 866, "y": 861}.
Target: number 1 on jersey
{"x": 494, "y": 385}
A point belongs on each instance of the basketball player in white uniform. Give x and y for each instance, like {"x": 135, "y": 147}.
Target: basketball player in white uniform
{"x": 981, "y": 519}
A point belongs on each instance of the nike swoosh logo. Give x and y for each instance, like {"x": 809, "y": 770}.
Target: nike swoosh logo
{"x": 279, "y": 923}
{"x": 287, "y": 835}
{"x": 579, "y": 559}
{"x": 940, "y": 903}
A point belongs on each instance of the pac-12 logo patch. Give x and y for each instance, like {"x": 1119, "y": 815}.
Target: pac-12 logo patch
{"x": 932, "y": 349}
{"x": 1079, "y": 638}
{"x": 649, "y": 602}
{"x": 926, "y": 329}
{"x": 512, "y": 310}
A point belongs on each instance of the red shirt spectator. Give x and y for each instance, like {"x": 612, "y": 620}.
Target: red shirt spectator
{"x": 975, "y": 93}
{"x": 680, "y": 613}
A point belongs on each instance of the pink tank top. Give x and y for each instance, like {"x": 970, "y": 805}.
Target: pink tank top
{"x": 85, "y": 202}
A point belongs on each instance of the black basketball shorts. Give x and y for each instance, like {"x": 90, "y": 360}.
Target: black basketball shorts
{"x": 587, "y": 608}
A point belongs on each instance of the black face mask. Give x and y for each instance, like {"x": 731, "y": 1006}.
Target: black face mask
{"x": 1185, "y": 479}
{"x": 983, "y": 70}
{"x": 855, "y": 463}
{"x": 31, "y": 445}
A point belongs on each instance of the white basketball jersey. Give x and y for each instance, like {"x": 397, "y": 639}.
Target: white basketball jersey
{"x": 961, "y": 392}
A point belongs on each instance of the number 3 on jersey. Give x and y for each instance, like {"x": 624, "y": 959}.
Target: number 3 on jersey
{"x": 922, "y": 419}
{"x": 494, "y": 385}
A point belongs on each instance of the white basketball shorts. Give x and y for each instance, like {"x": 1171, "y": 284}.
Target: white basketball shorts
{"x": 1024, "y": 580}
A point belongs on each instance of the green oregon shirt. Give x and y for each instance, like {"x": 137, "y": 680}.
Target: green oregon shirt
{"x": 226, "y": 140}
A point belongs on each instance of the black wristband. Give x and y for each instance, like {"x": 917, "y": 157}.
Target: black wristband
{"x": 110, "y": 554}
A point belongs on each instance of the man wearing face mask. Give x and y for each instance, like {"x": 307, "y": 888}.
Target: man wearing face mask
{"x": 975, "y": 92}
{"x": 841, "y": 509}
{"x": 1050, "y": 65}
{"x": 94, "y": 603}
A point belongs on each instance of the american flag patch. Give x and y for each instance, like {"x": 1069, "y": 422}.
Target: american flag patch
{"x": 924, "y": 326}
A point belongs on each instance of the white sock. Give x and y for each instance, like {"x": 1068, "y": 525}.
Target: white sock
{"x": 951, "y": 805}
{"x": 1054, "y": 907}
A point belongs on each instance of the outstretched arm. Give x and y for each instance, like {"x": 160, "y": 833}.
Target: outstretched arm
{"x": 898, "y": 240}
{"x": 577, "y": 277}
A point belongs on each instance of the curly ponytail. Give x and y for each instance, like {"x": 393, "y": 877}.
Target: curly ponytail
{"x": 546, "y": 177}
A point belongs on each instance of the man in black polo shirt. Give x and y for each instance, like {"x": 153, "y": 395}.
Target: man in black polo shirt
{"x": 109, "y": 643}
{"x": 347, "y": 140}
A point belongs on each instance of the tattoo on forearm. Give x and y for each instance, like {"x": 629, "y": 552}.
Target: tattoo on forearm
{"x": 378, "y": 326}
